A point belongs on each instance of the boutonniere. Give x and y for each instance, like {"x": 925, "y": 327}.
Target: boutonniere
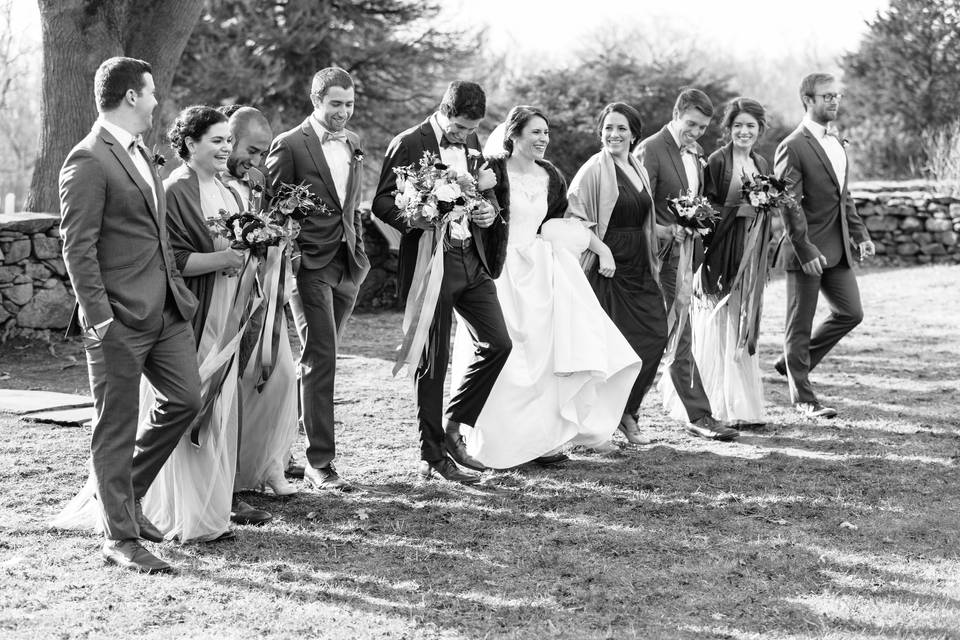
{"x": 358, "y": 155}
{"x": 158, "y": 159}
{"x": 844, "y": 142}
{"x": 255, "y": 187}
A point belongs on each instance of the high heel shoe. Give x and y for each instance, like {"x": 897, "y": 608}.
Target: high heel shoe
{"x": 278, "y": 482}
{"x": 631, "y": 430}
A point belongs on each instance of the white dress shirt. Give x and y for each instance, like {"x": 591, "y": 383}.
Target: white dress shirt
{"x": 455, "y": 158}
{"x": 831, "y": 146}
{"x": 689, "y": 160}
{"x": 337, "y": 154}
{"x": 126, "y": 140}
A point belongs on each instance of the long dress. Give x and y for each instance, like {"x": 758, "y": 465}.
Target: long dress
{"x": 570, "y": 371}
{"x": 729, "y": 371}
{"x": 632, "y": 298}
{"x": 191, "y": 496}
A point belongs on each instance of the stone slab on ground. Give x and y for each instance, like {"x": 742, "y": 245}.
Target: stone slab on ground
{"x": 21, "y": 402}
{"x": 69, "y": 417}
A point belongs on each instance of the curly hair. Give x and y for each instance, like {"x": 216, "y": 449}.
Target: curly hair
{"x": 192, "y": 123}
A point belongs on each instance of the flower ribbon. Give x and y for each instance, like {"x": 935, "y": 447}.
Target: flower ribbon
{"x": 422, "y": 303}
{"x": 680, "y": 309}
{"x": 216, "y": 364}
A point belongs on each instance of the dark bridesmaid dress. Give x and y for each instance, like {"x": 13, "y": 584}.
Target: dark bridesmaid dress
{"x": 632, "y": 298}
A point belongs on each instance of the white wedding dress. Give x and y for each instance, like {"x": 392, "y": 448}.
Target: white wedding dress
{"x": 570, "y": 372}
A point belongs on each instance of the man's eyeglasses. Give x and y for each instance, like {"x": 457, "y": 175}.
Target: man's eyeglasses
{"x": 828, "y": 97}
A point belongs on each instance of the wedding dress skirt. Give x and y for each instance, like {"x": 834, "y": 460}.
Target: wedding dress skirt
{"x": 570, "y": 372}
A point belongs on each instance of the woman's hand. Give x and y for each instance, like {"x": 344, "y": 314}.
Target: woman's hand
{"x": 607, "y": 265}
{"x": 486, "y": 179}
{"x": 233, "y": 259}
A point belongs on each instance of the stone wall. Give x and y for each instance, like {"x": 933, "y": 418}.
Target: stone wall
{"x": 34, "y": 287}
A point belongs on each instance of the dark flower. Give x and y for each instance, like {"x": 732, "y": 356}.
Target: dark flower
{"x": 158, "y": 159}
{"x": 358, "y": 154}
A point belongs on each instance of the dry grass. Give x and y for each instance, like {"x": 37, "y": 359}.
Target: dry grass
{"x": 840, "y": 529}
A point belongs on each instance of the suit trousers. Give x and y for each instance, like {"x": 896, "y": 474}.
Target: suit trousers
{"x": 468, "y": 289}
{"x": 803, "y": 347}
{"x": 321, "y": 303}
{"x": 126, "y": 457}
{"x": 683, "y": 370}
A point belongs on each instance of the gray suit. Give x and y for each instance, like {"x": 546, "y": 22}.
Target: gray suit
{"x": 668, "y": 179}
{"x": 333, "y": 263}
{"x": 826, "y": 223}
{"x": 118, "y": 256}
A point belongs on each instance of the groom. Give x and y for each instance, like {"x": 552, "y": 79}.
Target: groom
{"x": 132, "y": 306}
{"x": 820, "y": 233}
{"x": 474, "y": 252}
{"x": 332, "y": 263}
{"x": 672, "y": 158}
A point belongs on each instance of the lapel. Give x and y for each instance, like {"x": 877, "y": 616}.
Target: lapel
{"x": 312, "y": 142}
{"x": 428, "y": 139}
{"x": 127, "y": 163}
{"x": 353, "y": 187}
{"x": 822, "y": 155}
{"x": 674, "y": 152}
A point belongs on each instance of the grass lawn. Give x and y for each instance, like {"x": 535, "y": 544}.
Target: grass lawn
{"x": 847, "y": 528}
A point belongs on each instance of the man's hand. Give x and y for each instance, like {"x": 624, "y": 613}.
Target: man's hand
{"x": 484, "y": 215}
{"x": 485, "y": 178}
{"x": 815, "y": 266}
{"x": 867, "y": 249}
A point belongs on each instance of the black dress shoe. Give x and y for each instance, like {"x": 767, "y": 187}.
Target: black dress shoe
{"x": 447, "y": 470}
{"x": 243, "y": 513}
{"x": 130, "y": 554}
{"x": 815, "y": 410}
{"x": 781, "y": 367}
{"x": 554, "y": 459}
{"x": 325, "y": 478}
{"x": 708, "y": 427}
{"x": 457, "y": 449}
{"x": 148, "y": 531}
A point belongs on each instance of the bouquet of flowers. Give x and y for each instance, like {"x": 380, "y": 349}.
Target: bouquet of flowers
{"x": 295, "y": 202}
{"x": 765, "y": 192}
{"x": 694, "y": 212}
{"x": 429, "y": 190}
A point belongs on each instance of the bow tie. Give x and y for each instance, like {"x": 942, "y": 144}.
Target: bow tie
{"x": 135, "y": 144}
{"x": 691, "y": 150}
{"x": 447, "y": 142}
{"x": 339, "y": 136}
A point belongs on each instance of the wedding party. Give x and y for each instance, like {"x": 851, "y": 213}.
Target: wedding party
{"x": 491, "y": 362}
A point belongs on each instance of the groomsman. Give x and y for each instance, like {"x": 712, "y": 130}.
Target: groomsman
{"x": 820, "y": 233}
{"x": 474, "y": 252}
{"x": 332, "y": 262}
{"x": 673, "y": 159}
{"x": 252, "y": 136}
{"x": 133, "y": 307}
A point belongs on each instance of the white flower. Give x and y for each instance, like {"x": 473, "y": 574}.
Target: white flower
{"x": 447, "y": 192}
{"x": 402, "y": 199}
{"x": 429, "y": 211}
{"x": 473, "y": 153}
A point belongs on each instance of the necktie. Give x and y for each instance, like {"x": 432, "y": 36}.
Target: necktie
{"x": 447, "y": 142}
{"x": 338, "y": 136}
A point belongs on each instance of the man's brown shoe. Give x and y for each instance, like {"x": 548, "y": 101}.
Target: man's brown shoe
{"x": 325, "y": 478}
{"x": 130, "y": 554}
{"x": 448, "y": 470}
{"x": 710, "y": 428}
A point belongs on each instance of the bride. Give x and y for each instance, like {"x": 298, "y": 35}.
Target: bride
{"x": 570, "y": 371}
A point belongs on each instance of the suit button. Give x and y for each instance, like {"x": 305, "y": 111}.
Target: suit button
{"x": 162, "y": 268}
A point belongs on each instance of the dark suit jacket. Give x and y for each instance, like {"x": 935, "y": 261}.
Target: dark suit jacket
{"x": 296, "y": 156}
{"x": 405, "y": 149}
{"x": 115, "y": 242}
{"x": 668, "y": 179}
{"x": 189, "y": 234}
{"x": 827, "y": 218}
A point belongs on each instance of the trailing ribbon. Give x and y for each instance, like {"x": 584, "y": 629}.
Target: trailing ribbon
{"x": 273, "y": 292}
{"x": 422, "y": 303}
{"x": 216, "y": 364}
{"x": 680, "y": 309}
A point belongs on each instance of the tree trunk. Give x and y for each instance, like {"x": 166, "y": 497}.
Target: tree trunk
{"x": 77, "y": 36}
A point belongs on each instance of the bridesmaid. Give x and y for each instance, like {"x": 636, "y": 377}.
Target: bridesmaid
{"x": 191, "y": 497}
{"x": 733, "y": 274}
{"x": 611, "y": 191}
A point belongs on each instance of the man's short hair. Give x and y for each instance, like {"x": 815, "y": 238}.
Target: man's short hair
{"x": 693, "y": 99}
{"x": 326, "y": 78}
{"x": 464, "y": 99}
{"x": 243, "y": 118}
{"x": 115, "y": 77}
{"x": 808, "y": 86}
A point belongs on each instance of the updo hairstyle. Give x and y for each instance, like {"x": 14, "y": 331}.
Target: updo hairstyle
{"x": 193, "y": 122}
{"x": 744, "y": 105}
{"x": 517, "y": 119}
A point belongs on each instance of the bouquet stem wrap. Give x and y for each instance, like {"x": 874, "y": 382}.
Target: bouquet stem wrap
{"x": 422, "y": 303}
